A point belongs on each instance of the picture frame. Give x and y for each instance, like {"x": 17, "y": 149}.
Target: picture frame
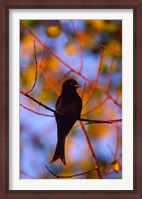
{"x": 136, "y": 6}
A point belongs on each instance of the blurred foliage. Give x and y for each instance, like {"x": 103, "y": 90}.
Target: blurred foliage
{"x": 38, "y": 133}
{"x": 115, "y": 166}
{"x": 53, "y": 29}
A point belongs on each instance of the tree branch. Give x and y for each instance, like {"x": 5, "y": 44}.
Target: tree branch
{"x": 81, "y": 119}
{"x": 39, "y": 103}
{"x": 100, "y": 121}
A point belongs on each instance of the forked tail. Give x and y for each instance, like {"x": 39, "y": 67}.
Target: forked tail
{"x": 60, "y": 150}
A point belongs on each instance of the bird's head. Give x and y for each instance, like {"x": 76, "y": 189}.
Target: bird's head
{"x": 70, "y": 85}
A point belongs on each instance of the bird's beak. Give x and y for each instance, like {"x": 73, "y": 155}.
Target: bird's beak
{"x": 77, "y": 85}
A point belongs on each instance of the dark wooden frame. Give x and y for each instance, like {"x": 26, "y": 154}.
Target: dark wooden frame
{"x": 136, "y": 5}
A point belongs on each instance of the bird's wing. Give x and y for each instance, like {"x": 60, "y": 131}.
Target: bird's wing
{"x": 58, "y": 101}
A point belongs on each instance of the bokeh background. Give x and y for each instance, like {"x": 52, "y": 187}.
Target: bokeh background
{"x": 90, "y": 52}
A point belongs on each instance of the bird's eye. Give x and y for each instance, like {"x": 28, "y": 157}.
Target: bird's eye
{"x": 70, "y": 83}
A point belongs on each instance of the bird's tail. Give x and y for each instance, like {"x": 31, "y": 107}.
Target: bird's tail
{"x": 60, "y": 152}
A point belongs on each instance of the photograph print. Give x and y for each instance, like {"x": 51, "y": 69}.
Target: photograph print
{"x": 71, "y": 99}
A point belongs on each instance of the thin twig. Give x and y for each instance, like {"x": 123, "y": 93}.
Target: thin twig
{"x": 117, "y": 142}
{"x": 65, "y": 75}
{"x": 49, "y": 80}
{"x": 26, "y": 92}
{"x": 45, "y": 74}
{"x": 96, "y": 106}
{"x": 91, "y": 150}
{"x": 95, "y": 80}
{"x": 24, "y": 173}
{"x": 46, "y": 115}
{"x": 83, "y": 90}
{"x": 110, "y": 72}
{"x": 70, "y": 176}
{"x": 111, "y": 49}
{"x": 80, "y": 47}
{"x": 114, "y": 155}
{"x": 42, "y": 55}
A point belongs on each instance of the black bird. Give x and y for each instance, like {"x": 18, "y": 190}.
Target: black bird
{"x": 68, "y": 109}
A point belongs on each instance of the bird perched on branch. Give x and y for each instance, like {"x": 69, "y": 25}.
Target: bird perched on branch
{"x": 68, "y": 109}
